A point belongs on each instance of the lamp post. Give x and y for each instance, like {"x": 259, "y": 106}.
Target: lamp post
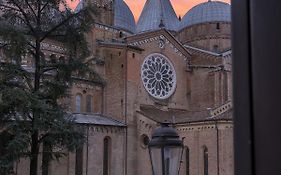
{"x": 165, "y": 150}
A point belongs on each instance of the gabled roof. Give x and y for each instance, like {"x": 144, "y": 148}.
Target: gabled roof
{"x": 182, "y": 116}
{"x": 195, "y": 50}
{"x": 142, "y": 38}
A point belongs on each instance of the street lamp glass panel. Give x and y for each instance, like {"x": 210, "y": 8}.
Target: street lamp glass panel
{"x": 156, "y": 160}
{"x": 165, "y": 159}
{"x": 172, "y": 156}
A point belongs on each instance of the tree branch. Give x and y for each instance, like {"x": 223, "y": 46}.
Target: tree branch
{"x": 28, "y": 43}
{"x": 9, "y": 7}
{"x": 26, "y": 1}
{"x": 25, "y": 15}
{"x": 41, "y": 139}
{"x": 44, "y": 6}
{"x": 59, "y": 25}
{"x": 48, "y": 69}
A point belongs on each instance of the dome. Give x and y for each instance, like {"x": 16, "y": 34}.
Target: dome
{"x": 156, "y": 13}
{"x": 211, "y": 11}
{"x": 79, "y": 6}
{"x": 123, "y": 16}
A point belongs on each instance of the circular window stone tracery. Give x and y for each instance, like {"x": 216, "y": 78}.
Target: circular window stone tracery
{"x": 158, "y": 76}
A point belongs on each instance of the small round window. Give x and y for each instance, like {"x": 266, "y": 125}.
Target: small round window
{"x": 158, "y": 76}
{"x": 144, "y": 140}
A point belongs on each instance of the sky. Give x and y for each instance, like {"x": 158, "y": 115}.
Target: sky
{"x": 180, "y": 6}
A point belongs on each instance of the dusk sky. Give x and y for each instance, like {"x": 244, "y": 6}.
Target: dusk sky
{"x": 180, "y": 6}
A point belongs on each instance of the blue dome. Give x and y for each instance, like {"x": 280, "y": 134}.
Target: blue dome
{"x": 79, "y": 6}
{"x": 123, "y": 16}
{"x": 211, "y": 11}
{"x": 156, "y": 13}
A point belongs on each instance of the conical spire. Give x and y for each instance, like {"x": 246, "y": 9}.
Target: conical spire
{"x": 156, "y": 12}
{"x": 123, "y": 16}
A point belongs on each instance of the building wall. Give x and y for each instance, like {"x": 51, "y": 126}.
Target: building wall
{"x": 145, "y": 128}
{"x": 198, "y": 89}
{"x": 136, "y": 95}
{"x": 123, "y": 94}
{"x": 217, "y": 138}
{"x": 207, "y": 36}
{"x": 179, "y": 99}
{"x": 115, "y": 82}
{"x": 85, "y": 90}
{"x": 95, "y": 150}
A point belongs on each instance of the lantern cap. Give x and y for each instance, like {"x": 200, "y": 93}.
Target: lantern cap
{"x": 165, "y": 130}
{"x": 165, "y": 135}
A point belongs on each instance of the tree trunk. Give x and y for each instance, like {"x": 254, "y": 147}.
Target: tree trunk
{"x": 35, "y": 145}
{"x": 34, "y": 154}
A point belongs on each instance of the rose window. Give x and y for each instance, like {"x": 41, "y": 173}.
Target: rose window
{"x": 158, "y": 76}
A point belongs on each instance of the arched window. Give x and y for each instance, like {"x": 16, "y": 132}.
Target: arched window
{"x": 106, "y": 155}
{"x": 187, "y": 160}
{"x": 61, "y": 59}
{"x": 78, "y": 103}
{"x": 53, "y": 58}
{"x": 205, "y": 157}
{"x": 144, "y": 140}
{"x": 89, "y": 103}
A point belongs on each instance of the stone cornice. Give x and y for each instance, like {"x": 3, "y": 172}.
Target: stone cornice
{"x": 193, "y": 127}
{"x": 105, "y": 129}
{"x": 118, "y": 45}
{"x": 110, "y": 28}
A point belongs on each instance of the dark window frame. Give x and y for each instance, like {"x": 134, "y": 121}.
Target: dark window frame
{"x": 187, "y": 161}
{"x": 205, "y": 160}
{"x": 89, "y": 103}
{"x": 80, "y": 104}
{"x": 106, "y": 155}
{"x": 79, "y": 161}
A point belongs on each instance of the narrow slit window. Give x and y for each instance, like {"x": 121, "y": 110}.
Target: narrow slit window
{"x": 218, "y": 26}
{"x": 205, "y": 155}
{"x": 187, "y": 160}
{"x": 78, "y": 103}
{"x": 106, "y": 156}
{"x": 89, "y": 103}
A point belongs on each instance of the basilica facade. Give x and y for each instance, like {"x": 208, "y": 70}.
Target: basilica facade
{"x": 162, "y": 68}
